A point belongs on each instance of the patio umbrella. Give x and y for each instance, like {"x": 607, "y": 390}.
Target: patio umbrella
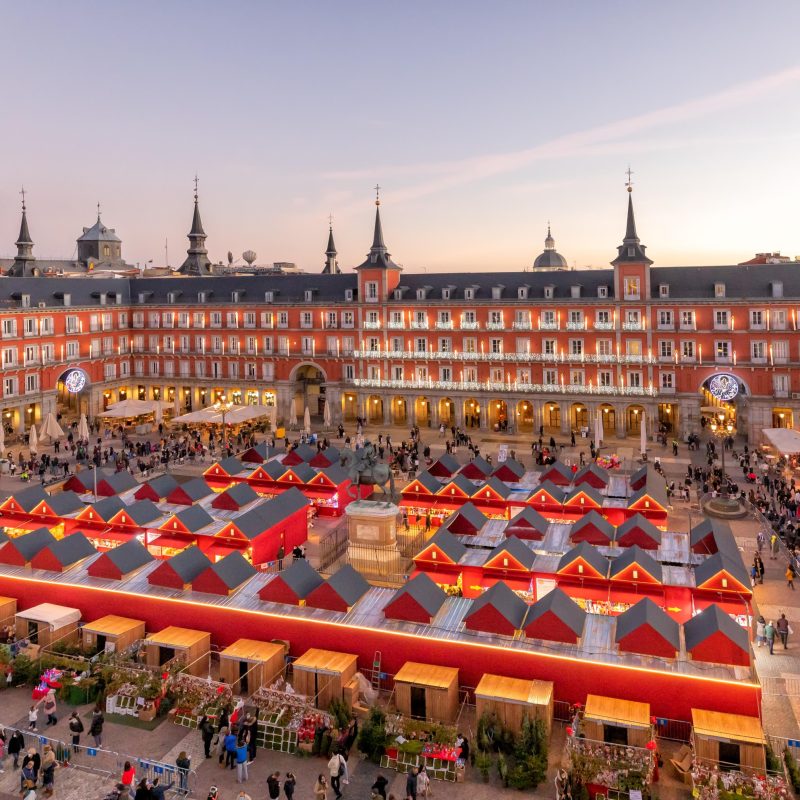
{"x": 177, "y": 403}
{"x": 2, "y": 440}
{"x": 273, "y": 418}
{"x": 159, "y": 413}
{"x": 50, "y": 428}
{"x": 598, "y": 428}
{"x": 643, "y": 431}
{"x": 33, "y": 439}
{"x": 83, "y": 429}
{"x": 307, "y": 420}
{"x": 326, "y": 414}
{"x": 293, "y": 417}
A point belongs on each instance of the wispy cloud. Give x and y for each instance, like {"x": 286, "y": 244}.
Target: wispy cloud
{"x": 430, "y": 177}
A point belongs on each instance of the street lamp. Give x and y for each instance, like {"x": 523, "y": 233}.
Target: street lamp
{"x": 223, "y": 407}
{"x": 722, "y": 427}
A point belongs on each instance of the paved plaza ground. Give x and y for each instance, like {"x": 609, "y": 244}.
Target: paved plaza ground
{"x": 779, "y": 673}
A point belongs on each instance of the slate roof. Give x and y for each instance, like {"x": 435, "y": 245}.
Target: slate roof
{"x": 162, "y": 485}
{"x": 719, "y": 531}
{"x": 71, "y": 549}
{"x": 27, "y": 499}
{"x": 639, "y": 521}
{"x": 304, "y": 451}
{"x": 233, "y": 570}
{"x": 513, "y": 465}
{"x": 594, "y": 519}
{"x": 510, "y": 605}
{"x": 460, "y": 482}
{"x": 29, "y": 544}
{"x": 430, "y": 482}
{"x": 708, "y": 622}
{"x": 592, "y": 469}
{"x": 281, "y": 506}
{"x": 533, "y": 519}
{"x": 189, "y": 563}
{"x": 195, "y": 518}
{"x": 591, "y": 555}
{"x": 424, "y": 591}
{"x": 196, "y": 489}
{"x": 240, "y": 493}
{"x": 445, "y": 541}
{"x": 304, "y": 472}
{"x": 517, "y": 549}
{"x": 646, "y": 612}
{"x": 636, "y": 556}
{"x": 336, "y": 473}
{"x": 107, "y": 507}
{"x": 230, "y": 465}
{"x": 143, "y": 512}
{"x": 639, "y": 475}
{"x": 301, "y": 578}
{"x": 556, "y": 492}
{"x": 448, "y": 462}
{"x": 481, "y": 464}
{"x": 348, "y": 584}
{"x": 713, "y": 565}
{"x": 470, "y": 514}
{"x": 251, "y": 523}
{"x": 120, "y": 481}
{"x": 590, "y": 492}
{"x": 561, "y": 468}
{"x": 274, "y": 469}
{"x": 65, "y": 503}
{"x": 655, "y": 488}
{"x": 129, "y": 556}
{"x": 563, "y": 606}
{"x": 495, "y": 484}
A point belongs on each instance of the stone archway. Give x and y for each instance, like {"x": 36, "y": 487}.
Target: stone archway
{"x": 374, "y": 409}
{"x": 308, "y": 381}
{"x": 525, "y": 416}
{"x": 578, "y": 416}
{"x": 634, "y": 414}
{"x": 399, "y": 411}
{"x": 447, "y": 412}
{"x": 472, "y": 413}
{"x": 609, "y": 416}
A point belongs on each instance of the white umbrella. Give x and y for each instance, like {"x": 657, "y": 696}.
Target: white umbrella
{"x": 598, "y": 428}
{"x": 2, "y": 440}
{"x": 273, "y": 418}
{"x": 83, "y": 429}
{"x": 326, "y": 414}
{"x": 643, "y": 430}
{"x": 293, "y": 417}
{"x": 307, "y": 420}
{"x": 33, "y": 439}
{"x": 50, "y": 428}
{"x": 159, "y": 414}
{"x": 177, "y": 402}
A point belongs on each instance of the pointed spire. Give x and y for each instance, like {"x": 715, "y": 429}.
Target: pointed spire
{"x": 24, "y": 233}
{"x": 24, "y": 262}
{"x": 378, "y": 245}
{"x": 549, "y": 242}
{"x": 631, "y": 250}
{"x": 331, "y": 264}
{"x": 98, "y": 211}
{"x": 197, "y": 261}
{"x": 630, "y": 228}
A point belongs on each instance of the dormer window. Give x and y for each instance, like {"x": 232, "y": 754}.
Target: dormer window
{"x": 118, "y": 298}
{"x": 172, "y": 297}
{"x": 102, "y": 298}
{"x": 549, "y": 291}
{"x": 143, "y": 298}
{"x": 348, "y": 295}
{"x": 497, "y": 292}
{"x": 602, "y": 291}
{"x": 631, "y": 252}
{"x": 522, "y": 293}
{"x": 202, "y": 297}
{"x": 420, "y": 294}
{"x": 777, "y": 288}
{"x": 309, "y": 295}
{"x": 575, "y": 291}
{"x": 236, "y": 296}
{"x": 469, "y": 294}
{"x": 269, "y": 297}
{"x": 663, "y": 290}
{"x": 25, "y": 301}
{"x": 719, "y": 290}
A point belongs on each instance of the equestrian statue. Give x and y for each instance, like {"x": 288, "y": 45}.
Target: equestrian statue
{"x": 364, "y": 469}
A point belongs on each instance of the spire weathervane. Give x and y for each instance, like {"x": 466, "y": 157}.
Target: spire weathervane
{"x": 377, "y": 194}
{"x": 330, "y": 220}
{"x": 629, "y": 182}
{"x": 98, "y": 211}
{"x": 22, "y": 192}
{"x": 196, "y": 181}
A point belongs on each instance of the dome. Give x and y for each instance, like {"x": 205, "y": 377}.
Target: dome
{"x": 550, "y": 259}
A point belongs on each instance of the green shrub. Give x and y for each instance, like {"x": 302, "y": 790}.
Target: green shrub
{"x": 372, "y": 737}
{"x": 483, "y": 761}
{"x": 340, "y": 712}
{"x": 792, "y": 769}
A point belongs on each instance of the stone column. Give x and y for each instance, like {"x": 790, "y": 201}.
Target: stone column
{"x": 484, "y": 414}
{"x": 620, "y": 419}
{"x": 387, "y": 410}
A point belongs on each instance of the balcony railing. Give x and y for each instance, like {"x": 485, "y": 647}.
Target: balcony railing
{"x": 372, "y": 326}
{"x": 470, "y": 326}
{"x": 546, "y": 325}
{"x": 522, "y": 325}
{"x": 396, "y": 324}
{"x": 442, "y": 325}
{"x": 495, "y": 326}
{"x": 419, "y": 325}
{"x": 632, "y": 326}
{"x": 576, "y": 326}
{"x": 604, "y": 326}
{"x": 505, "y": 386}
{"x": 446, "y": 355}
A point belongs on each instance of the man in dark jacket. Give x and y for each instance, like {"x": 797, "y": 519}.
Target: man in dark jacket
{"x": 207, "y": 734}
{"x": 411, "y": 784}
{"x": 274, "y": 785}
{"x": 15, "y": 745}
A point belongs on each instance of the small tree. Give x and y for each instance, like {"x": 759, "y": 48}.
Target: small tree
{"x": 372, "y": 738}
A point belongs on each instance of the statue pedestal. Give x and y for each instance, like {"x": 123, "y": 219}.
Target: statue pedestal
{"x": 372, "y": 529}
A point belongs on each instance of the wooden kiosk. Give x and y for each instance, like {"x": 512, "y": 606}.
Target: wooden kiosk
{"x": 248, "y": 664}
{"x": 47, "y": 624}
{"x": 732, "y": 740}
{"x": 322, "y": 675}
{"x": 190, "y": 645}
{"x": 512, "y": 698}
{"x": 614, "y": 721}
{"x": 427, "y": 691}
{"x": 8, "y": 611}
{"x": 111, "y": 633}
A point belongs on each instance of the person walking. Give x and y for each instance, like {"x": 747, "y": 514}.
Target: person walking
{"x": 761, "y": 624}
{"x": 16, "y": 744}
{"x": 759, "y": 565}
{"x": 128, "y": 774}
{"x": 411, "y": 784}
{"x": 207, "y": 734}
{"x": 769, "y": 633}
{"x": 423, "y": 783}
{"x": 50, "y": 708}
{"x": 241, "y": 763}
{"x": 230, "y": 748}
{"x": 184, "y": 764}
{"x": 321, "y": 788}
{"x": 274, "y": 786}
{"x": 774, "y": 544}
{"x": 96, "y": 727}
{"x": 49, "y": 765}
{"x": 782, "y": 627}
{"x": 33, "y": 718}
{"x": 288, "y": 785}
{"x": 280, "y": 556}
{"x": 337, "y": 769}
{"x": 790, "y": 576}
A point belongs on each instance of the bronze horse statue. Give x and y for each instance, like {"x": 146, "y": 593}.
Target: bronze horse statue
{"x": 364, "y": 469}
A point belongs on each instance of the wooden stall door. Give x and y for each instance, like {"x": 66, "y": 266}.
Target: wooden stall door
{"x": 419, "y": 706}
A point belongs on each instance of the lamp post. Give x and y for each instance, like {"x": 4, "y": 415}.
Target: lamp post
{"x": 722, "y": 427}
{"x": 223, "y": 407}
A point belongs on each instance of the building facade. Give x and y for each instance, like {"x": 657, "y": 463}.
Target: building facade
{"x": 549, "y": 349}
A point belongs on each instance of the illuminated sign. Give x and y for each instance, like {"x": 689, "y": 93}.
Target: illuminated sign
{"x": 723, "y": 386}
{"x": 75, "y": 381}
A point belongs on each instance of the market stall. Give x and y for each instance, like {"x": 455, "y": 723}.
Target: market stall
{"x": 248, "y": 664}
{"x": 321, "y": 675}
{"x": 47, "y": 624}
{"x": 510, "y": 699}
{"x": 8, "y": 610}
{"x": 427, "y": 691}
{"x": 616, "y": 721}
{"x": 191, "y": 646}
{"x": 731, "y": 740}
{"x": 111, "y": 634}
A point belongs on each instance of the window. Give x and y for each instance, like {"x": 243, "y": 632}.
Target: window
{"x": 495, "y": 345}
{"x": 721, "y": 319}
{"x": 422, "y": 373}
{"x": 331, "y": 319}
{"x": 633, "y": 318}
{"x": 777, "y": 288}
{"x": 548, "y": 319}
{"x": 722, "y": 350}
{"x": 496, "y": 374}
{"x": 308, "y": 294}
{"x": 756, "y": 318}
{"x": 575, "y": 291}
{"x": 198, "y": 319}
{"x": 576, "y": 347}
{"x": 604, "y": 347}
{"x": 780, "y": 352}
{"x": 348, "y": 295}
{"x": 283, "y": 319}
{"x": 550, "y": 377}
{"x": 524, "y": 376}
{"x": 445, "y": 345}
{"x": 548, "y": 292}
{"x": 633, "y": 347}
{"x": 687, "y": 320}
{"x": 306, "y": 319}
{"x": 549, "y": 347}
{"x": 445, "y": 294}
{"x": 781, "y": 385}
{"x": 29, "y": 326}
{"x": 602, "y": 291}
{"x": 232, "y": 319}
{"x": 307, "y": 344}
{"x": 576, "y": 319}
{"x": 267, "y": 344}
{"x": 523, "y": 346}
{"x": 468, "y": 319}
{"x": 665, "y": 349}
{"x": 348, "y": 319}
{"x": 602, "y": 318}
{"x": 576, "y": 377}
{"x": 759, "y": 351}
{"x": 471, "y": 374}
{"x": 635, "y": 380}
{"x": 667, "y": 380}
{"x": 9, "y": 328}
{"x": 497, "y": 292}
{"x": 687, "y": 351}
{"x": 496, "y": 319}
{"x": 215, "y": 320}
{"x": 469, "y": 294}
{"x": 31, "y": 354}
{"x": 445, "y": 374}
{"x": 422, "y": 345}
{"x": 283, "y": 345}
{"x": 470, "y": 344}
{"x": 397, "y": 373}
{"x": 604, "y": 377}
{"x": 269, "y": 297}
{"x": 663, "y": 290}
{"x": 631, "y": 288}
{"x": 9, "y": 386}
{"x": 522, "y": 293}
{"x": 371, "y": 288}
{"x": 719, "y": 290}
{"x": 347, "y": 345}
{"x": 67, "y": 299}
{"x": 73, "y": 349}
{"x": 25, "y": 301}
{"x": 777, "y": 319}
{"x": 665, "y": 319}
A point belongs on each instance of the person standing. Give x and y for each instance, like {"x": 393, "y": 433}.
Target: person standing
{"x": 759, "y": 565}
{"x": 280, "y": 557}
{"x": 782, "y": 626}
{"x": 184, "y": 764}
{"x": 207, "y": 734}
{"x": 379, "y": 787}
{"x": 274, "y": 785}
{"x": 761, "y": 625}
{"x": 288, "y": 785}
{"x": 252, "y": 732}
{"x": 16, "y": 745}
{"x": 49, "y": 765}
{"x": 33, "y": 718}
{"x": 774, "y": 544}
{"x": 75, "y": 728}
{"x": 769, "y": 633}
{"x": 96, "y": 727}
{"x": 50, "y": 708}
{"x": 241, "y": 763}
{"x": 321, "y": 788}
{"x": 411, "y": 784}
{"x": 790, "y": 576}
{"x": 230, "y": 748}
{"x": 423, "y": 783}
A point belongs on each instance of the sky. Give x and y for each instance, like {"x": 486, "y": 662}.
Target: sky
{"x": 480, "y": 121}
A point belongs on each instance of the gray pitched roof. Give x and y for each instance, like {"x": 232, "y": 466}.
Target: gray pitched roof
{"x": 281, "y": 506}
{"x": 252, "y": 523}
{"x": 555, "y": 491}
{"x": 71, "y": 549}
{"x": 591, "y": 469}
{"x": 494, "y": 483}
{"x": 424, "y": 591}
{"x": 460, "y": 482}
{"x": 143, "y": 512}
{"x": 301, "y": 578}
{"x": 348, "y": 584}
{"x": 304, "y": 451}
{"x": 162, "y": 485}
{"x": 445, "y": 541}
{"x": 29, "y": 544}
{"x": 586, "y": 489}
{"x": 716, "y": 534}
{"x": 129, "y": 556}
{"x": 594, "y": 519}
{"x": 708, "y": 622}
{"x": 561, "y": 468}
{"x": 563, "y": 606}
{"x": 529, "y": 517}
{"x": 29, "y": 498}
{"x": 65, "y": 503}
{"x": 481, "y": 464}
{"x": 189, "y": 563}
{"x": 231, "y": 465}
{"x": 468, "y": 513}
{"x": 240, "y": 493}
{"x": 233, "y": 570}
{"x": 305, "y": 472}
{"x": 335, "y": 473}
{"x": 635, "y": 555}
{"x": 655, "y": 488}
{"x": 510, "y": 605}
{"x": 430, "y": 482}
{"x": 646, "y": 612}
{"x": 195, "y": 518}
{"x": 448, "y": 462}
{"x": 640, "y": 475}
{"x": 107, "y": 507}
{"x": 120, "y": 481}
{"x": 274, "y": 469}
{"x": 718, "y": 562}
{"x": 591, "y": 555}
{"x": 517, "y": 549}
{"x": 638, "y": 521}
{"x": 511, "y": 464}
{"x": 196, "y": 489}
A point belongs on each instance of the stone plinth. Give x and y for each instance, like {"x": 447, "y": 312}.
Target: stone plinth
{"x": 372, "y": 523}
